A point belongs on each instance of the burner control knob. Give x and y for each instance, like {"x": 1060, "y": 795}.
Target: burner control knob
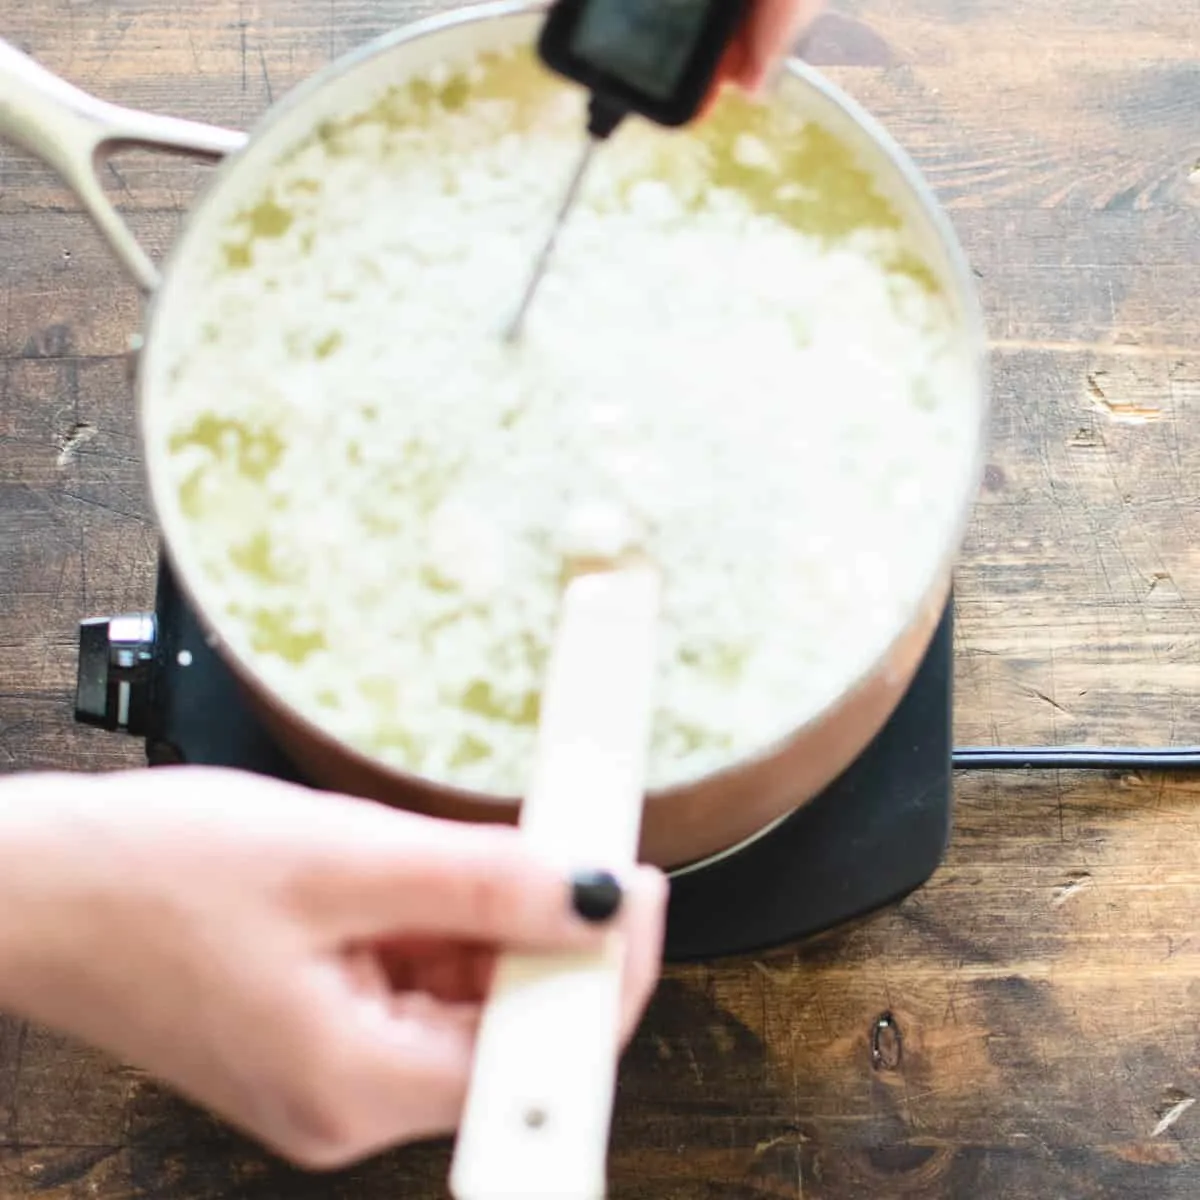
{"x": 116, "y": 662}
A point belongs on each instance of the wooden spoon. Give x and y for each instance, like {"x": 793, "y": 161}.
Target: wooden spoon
{"x": 539, "y": 1108}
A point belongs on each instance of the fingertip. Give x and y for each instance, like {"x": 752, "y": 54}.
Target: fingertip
{"x": 596, "y": 896}
{"x": 749, "y": 76}
{"x": 772, "y": 35}
{"x": 658, "y": 875}
{"x": 653, "y": 883}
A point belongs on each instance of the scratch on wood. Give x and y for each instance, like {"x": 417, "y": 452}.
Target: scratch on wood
{"x": 80, "y": 435}
{"x": 122, "y": 29}
{"x": 1049, "y": 700}
{"x": 262, "y": 62}
{"x": 1111, "y": 349}
{"x": 112, "y": 169}
{"x": 65, "y": 1169}
{"x": 1129, "y": 412}
{"x": 794, "y": 1140}
{"x": 771, "y": 976}
{"x": 1172, "y": 1115}
{"x": 761, "y": 1148}
{"x": 1074, "y": 884}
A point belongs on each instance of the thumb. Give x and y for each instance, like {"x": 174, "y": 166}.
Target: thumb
{"x": 468, "y": 882}
{"x": 772, "y": 29}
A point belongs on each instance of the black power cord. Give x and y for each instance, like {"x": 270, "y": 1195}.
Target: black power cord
{"x": 1075, "y": 758}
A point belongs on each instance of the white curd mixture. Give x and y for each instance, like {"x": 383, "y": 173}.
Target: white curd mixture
{"x": 732, "y": 349}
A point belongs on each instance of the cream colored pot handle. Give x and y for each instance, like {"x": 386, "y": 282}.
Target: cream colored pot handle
{"x": 70, "y": 131}
{"x": 539, "y": 1108}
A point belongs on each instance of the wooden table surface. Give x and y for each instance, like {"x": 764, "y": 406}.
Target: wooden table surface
{"x": 1046, "y": 982}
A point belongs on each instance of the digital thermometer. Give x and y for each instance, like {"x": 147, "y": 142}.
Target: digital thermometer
{"x": 659, "y": 59}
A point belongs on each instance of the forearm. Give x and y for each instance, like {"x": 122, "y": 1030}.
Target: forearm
{"x": 18, "y": 793}
{"x": 36, "y": 877}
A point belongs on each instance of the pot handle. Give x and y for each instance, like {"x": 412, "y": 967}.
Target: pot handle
{"x": 72, "y": 131}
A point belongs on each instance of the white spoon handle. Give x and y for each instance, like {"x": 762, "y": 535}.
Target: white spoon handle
{"x": 538, "y": 1113}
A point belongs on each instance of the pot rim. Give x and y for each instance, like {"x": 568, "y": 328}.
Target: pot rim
{"x": 190, "y": 579}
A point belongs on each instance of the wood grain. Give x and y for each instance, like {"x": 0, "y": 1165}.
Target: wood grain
{"x": 1025, "y": 1026}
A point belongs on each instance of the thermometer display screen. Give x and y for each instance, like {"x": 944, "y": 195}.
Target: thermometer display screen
{"x": 648, "y": 44}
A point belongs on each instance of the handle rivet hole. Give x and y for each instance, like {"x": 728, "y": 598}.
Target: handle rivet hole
{"x": 535, "y": 1117}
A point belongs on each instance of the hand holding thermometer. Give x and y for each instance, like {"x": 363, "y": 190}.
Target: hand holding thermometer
{"x": 657, "y": 58}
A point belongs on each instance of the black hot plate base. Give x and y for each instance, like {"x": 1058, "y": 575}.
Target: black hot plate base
{"x": 874, "y": 835}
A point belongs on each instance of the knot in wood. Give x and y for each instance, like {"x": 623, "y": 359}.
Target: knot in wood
{"x": 887, "y": 1043}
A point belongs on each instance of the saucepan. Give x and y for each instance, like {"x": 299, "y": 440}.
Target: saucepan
{"x": 863, "y": 615}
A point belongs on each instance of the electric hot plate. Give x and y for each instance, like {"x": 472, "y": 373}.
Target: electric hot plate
{"x": 875, "y": 834}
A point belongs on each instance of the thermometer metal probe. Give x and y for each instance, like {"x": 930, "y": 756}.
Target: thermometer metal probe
{"x": 598, "y": 130}
{"x": 543, "y": 259}
{"x": 657, "y": 58}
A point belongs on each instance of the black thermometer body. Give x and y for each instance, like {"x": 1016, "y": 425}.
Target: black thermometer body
{"x": 656, "y": 58}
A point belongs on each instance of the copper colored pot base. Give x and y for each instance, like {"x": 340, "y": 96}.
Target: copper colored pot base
{"x": 679, "y": 826}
